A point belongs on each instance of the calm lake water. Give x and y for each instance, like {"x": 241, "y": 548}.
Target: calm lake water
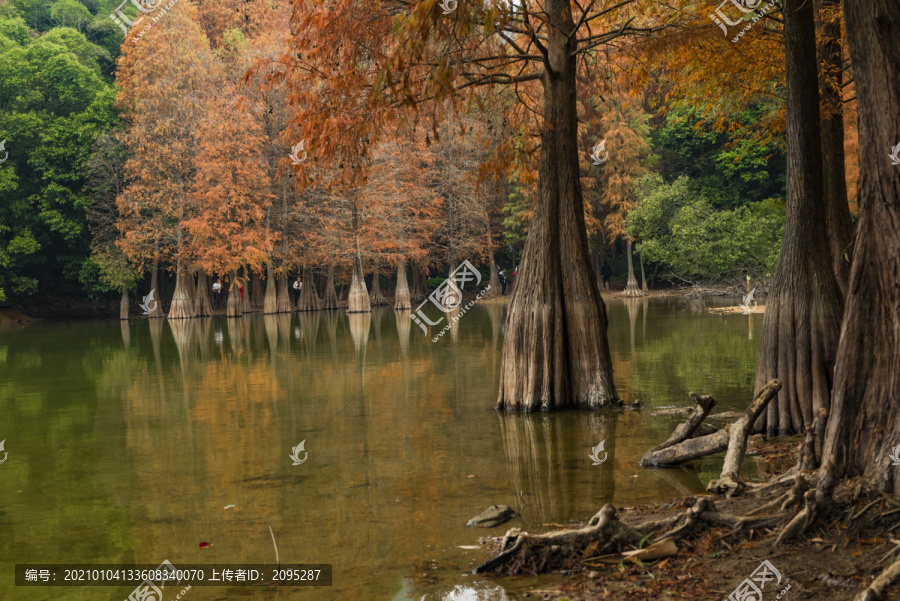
{"x": 126, "y": 441}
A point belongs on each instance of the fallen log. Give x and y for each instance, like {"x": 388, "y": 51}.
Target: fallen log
{"x": 684, "y": 431}
{"x": 729, "y": 482}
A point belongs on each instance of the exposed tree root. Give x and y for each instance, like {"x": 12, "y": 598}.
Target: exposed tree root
{"x": 875, "y": 591}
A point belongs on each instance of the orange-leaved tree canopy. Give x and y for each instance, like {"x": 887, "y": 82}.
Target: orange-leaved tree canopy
{"x": 352, "y": 65}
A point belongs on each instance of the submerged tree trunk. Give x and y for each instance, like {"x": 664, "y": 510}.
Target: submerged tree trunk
{"x": 256, "y": 292}
{"x": 283, "y": 301}
{"x": 270, "y": 304}
{"x": 245, "y": 282}
{"x": 124, "y": 304}
{"x": 329, "y": 296}
{"x": 202, "y": 302}
{"x": 864, "y": 422}
{"x": 417, "y": 293}
{"x": 631, "y": 289}
{"x": 494, "y": 282}
{"x": 555, "y": 352}
{"x": 154, "y": 284}
{"x": 233, "y": 306}
{"x": 182, "y": 306}
{"x": 837, "y": 209}
{"x": 358, "y": 300}
{"x": 804, "y": 307}
{"x": 309, "y": 298}
{"x": 376, "y": 297}
{"x": 401, "y": 294}
{"x": 643, "y": 274}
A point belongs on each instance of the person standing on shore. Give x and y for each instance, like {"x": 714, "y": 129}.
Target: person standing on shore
{"x": 502, "y": 275}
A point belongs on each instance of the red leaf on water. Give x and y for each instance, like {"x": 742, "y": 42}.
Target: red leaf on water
{"x": 204, "y": 545}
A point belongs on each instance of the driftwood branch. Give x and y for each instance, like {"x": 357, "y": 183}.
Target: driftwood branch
{"x": 729, "y": 482}
{"x": 732, "y": 437}
{"x": 876, "y": 590}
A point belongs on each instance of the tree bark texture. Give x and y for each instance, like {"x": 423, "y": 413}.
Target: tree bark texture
{"x": 358, "y": 300}
{"x": 401, "y": 295}
{"x": 804, "y": 307}
{"x": 123, "y": 304}
{"x": 309, "y": 298}
{"x": 270, "y": 304}
{"x": 256, "y": 292}
{"x": 154, "y": 283}
{"x": 329, "y": 296}
{"x": 417, "y": 293}
{"x": 376, "y": 298}
{"x": 245, "y": 281}
{"x": 555, "y": 352}
{"x": 233, "y": 306}
{"x": 631, "y": 288}
{"x": 864, "y": 422}
{"x": 202, "y": 302}
{"x": 837, "y": 209}
{"x": 283, "y": 298}
{"x": 182, "y": 306}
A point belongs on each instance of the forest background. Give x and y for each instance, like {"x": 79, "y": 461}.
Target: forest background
{"x": 131, "y": 160}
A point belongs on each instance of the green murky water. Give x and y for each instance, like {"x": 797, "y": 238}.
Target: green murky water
{"x": 127, "y": 441}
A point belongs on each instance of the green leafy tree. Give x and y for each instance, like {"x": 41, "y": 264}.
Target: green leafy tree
{"x": 697, "y": 242}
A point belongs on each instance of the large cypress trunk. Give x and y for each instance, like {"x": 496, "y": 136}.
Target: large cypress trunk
{"x": 865, "y": 417}
{"x": 123, "y": 304}
{"x": 233, "y": 306}
{"x": 555, "y": 352}
{"x": 376, "y": 297}
{"x": 358, "y": 300}
{"x": 309, "y": 298}
{"x": 837, "y": 209}
{"x": 329, "y": 296}
{"x": 182, "y": 305}
{"x": 401, "y": 295}
{"x": 245, "y": 281}
{"x": 270, "y": 304}
{"x": 494, "y": 290}
{"x": 154, "y": 284}
{"x": 804, "y": 306}
{"x": 284, "y": 301}
{"x": 256, "y": 293}
{"x": 202, "y": 302}
{"x": 631, "y": 288}
{"x": 417, "y": 293}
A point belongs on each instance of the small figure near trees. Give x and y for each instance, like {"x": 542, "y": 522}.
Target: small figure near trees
{"x": 502, "y": 282}
{"x": 298, "y": 286}
{"x": 605, "y": 273}
{"x": 217, "y": 293}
